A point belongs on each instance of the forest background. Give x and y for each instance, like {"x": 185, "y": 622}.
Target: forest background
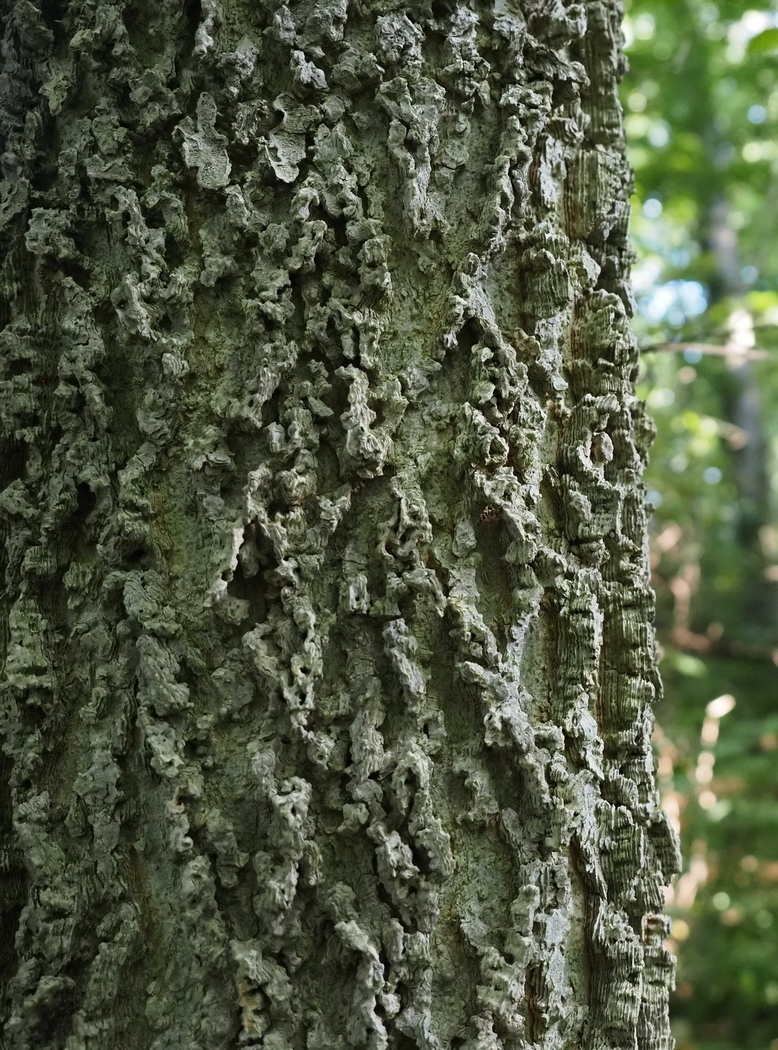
{"x": 701, "y": 109}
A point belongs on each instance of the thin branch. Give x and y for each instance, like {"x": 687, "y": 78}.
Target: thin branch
{"x": 688, "y": 641}
{"x": 754, "y": 354}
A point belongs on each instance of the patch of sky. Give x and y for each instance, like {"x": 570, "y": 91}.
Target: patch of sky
{"x": 652, "y": 208}
{"x": 674, "y": 301}
{"x": 659, "y": 134}
{"x": 745, "y": 29}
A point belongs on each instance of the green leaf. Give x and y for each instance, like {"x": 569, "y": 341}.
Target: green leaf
{"x": 690, "y": 666}
{"x": 765, "y": 41}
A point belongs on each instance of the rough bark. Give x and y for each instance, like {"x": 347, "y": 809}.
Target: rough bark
{"x": 327, "y": 633}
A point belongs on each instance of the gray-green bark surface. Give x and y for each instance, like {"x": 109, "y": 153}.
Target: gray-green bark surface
{"x": 328, "y": 660}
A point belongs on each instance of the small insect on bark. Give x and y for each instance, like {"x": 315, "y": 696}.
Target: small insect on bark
{"x": 489, "y": 515}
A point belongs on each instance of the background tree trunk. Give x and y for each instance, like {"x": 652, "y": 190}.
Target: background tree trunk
{"x": 328, "y": 657}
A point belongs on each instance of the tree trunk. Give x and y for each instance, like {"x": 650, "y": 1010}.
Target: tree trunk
{"x": 327, "y": 632}
{"x": 750, "y": 459}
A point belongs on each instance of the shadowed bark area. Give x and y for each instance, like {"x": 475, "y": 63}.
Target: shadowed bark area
{"x": 328, "y": 659}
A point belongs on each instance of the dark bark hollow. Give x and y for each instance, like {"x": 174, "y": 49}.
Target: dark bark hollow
{"x": 328, "y": 659}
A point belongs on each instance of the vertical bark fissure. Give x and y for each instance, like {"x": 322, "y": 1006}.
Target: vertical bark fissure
{"x": 326, "y": 704}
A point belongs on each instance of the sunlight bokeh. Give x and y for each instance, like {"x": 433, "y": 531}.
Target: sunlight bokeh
{"x": 701, "y": 116}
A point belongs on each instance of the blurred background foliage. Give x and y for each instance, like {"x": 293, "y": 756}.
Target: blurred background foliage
{"x": 701, "y": 109}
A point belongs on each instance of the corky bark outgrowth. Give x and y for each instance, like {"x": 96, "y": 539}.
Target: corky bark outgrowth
{"x": 328, "y": 657}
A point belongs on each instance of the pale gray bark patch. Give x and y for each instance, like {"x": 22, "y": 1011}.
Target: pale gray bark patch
{"x": 328, "y": 666}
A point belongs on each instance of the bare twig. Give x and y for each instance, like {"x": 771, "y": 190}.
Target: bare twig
{"x": 710, "y": 348}
{"x": 688, "y": 641}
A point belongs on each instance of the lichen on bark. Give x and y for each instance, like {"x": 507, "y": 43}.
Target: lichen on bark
{"x": 328, "y": 659}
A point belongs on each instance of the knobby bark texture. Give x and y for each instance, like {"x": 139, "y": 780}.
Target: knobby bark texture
{"x": 328, "y": 659}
